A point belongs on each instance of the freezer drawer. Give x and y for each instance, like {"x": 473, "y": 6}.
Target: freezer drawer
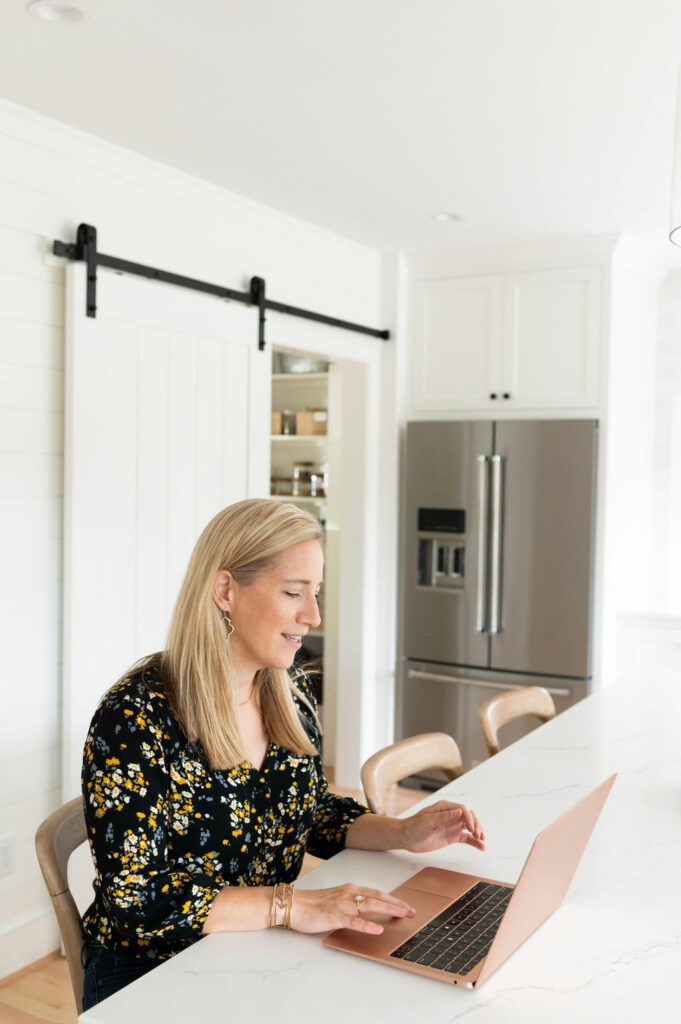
{"x": 440, "y": 698}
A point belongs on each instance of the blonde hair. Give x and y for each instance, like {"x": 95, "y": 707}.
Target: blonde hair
{"x": 199, "y": 679}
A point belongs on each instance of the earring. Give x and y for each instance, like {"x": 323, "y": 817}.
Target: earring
{"x": 228, "y": 622}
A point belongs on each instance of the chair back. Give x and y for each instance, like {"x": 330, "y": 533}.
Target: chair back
{"x": 406, "y": 757}
{"x": 56, "y": 839}
{"x": 530, "y": 700}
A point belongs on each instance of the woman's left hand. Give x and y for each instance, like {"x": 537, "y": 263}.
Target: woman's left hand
{"x": 442, "y": 824}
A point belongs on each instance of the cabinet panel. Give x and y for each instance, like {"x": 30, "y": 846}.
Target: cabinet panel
{"x": 457, "y": 340}
{"x": 506, "y": 342}
{"x": 551, "y": 350}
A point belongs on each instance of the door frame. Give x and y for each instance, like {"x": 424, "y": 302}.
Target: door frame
{"x": 356, "y": 661}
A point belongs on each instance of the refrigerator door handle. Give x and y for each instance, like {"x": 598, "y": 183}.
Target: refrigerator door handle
{"x": 555, "y": 691}
{"x": 481, "y": 600}
{"x": 496, "y": 544}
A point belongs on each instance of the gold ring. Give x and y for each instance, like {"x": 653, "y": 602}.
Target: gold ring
{"x": 358, "y": 901}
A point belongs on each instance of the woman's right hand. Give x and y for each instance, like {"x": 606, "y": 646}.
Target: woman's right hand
{"x": 321, "y": 910}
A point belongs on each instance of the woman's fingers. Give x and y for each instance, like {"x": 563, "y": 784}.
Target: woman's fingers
{"x": 379, "y": 895}
{"x": 363, "y": 922}
{"x": 452, "y": 815}
{"x": 376, "y": 903}
{"x": 477, "y": 829}
{"x": 383, "y": 904}
{"x": 465, "y": 815}
{"x": 470, "y": 820}
{"x": 318, "y": 910}
{"x": 441, "y": 824}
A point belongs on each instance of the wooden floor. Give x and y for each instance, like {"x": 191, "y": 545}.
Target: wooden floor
{"x": 42, "y": 992}
{"x": 39, "y": 993}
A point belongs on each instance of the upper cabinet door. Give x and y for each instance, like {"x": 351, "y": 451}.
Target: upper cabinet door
{"x": 506, "y": 343}
{"x": 551, "y": 354}
{"x": 456, "y": 340}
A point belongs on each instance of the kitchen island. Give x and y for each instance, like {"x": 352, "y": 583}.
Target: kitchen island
{"x": 611, "y": 950}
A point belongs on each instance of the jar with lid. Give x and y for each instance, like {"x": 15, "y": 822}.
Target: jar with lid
{"x": 308, "y": 481}
{"x": 288, "y": 421}
{"x": 280, "y": 486}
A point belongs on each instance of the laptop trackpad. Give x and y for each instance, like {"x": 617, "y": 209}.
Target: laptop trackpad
{"x": 395, "y": 930}
{"x": 438, "y": 880}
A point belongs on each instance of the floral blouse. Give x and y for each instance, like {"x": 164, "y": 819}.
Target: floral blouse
{"x": 167, "y": 832}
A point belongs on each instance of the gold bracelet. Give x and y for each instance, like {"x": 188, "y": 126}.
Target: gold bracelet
{"x": 282, "y": 902}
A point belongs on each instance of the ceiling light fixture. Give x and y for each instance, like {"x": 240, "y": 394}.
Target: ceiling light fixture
{"x": 58, "y": 11}
{"x": 444, "y": 218}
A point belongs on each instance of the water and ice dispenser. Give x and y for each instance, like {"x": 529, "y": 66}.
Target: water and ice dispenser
{"x": 441, "y": 547}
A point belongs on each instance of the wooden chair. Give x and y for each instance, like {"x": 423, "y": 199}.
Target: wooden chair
{"x": 56, "y": 839}
{"x": 388, "y": 766}
{"x": 530, "y": 700}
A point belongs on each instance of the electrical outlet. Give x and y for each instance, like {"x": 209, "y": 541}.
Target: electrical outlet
{"x": 8, "y": 854}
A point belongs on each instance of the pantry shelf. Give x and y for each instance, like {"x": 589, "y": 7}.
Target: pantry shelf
{"x": 300, "y": 438}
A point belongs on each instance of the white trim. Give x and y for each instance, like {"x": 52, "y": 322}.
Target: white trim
{"x": 552, "y": 254}
{"x": 21, "y": 920}
{"x": 659, "y": 620}
{"x": 359, "y": 659}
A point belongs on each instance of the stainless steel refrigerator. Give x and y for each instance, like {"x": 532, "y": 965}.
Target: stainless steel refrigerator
{"x": 498, "y": 540}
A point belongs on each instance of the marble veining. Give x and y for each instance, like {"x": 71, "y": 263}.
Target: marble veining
{"x": 611, "y": 950}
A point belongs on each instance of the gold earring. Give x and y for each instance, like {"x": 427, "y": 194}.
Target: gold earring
{"x": 228, "y": 622}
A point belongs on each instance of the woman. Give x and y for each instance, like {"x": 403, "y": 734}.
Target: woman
{"x": 202, "y": 778}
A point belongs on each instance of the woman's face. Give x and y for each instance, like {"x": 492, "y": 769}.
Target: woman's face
{"x": 272, "y": 615}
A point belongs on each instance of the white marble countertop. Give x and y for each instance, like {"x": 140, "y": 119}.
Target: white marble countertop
{"x": 612, "y": 949}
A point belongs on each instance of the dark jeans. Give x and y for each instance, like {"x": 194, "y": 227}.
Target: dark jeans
{"x": 107, "y": 972}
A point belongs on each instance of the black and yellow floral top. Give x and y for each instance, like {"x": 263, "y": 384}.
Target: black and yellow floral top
{"x": 167, "y": 832}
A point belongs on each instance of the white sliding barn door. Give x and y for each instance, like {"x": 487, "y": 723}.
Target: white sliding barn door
{"x": 166, "y": 423}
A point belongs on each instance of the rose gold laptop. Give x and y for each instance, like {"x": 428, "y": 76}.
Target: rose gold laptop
{"x": 466, "y": 926}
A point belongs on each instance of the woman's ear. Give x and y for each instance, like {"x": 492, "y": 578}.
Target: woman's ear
{"x": 223, "y": 588}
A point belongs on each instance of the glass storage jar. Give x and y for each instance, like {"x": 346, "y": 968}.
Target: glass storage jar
{"x": 288, "y": 421}
{"x": 307, "y": 480}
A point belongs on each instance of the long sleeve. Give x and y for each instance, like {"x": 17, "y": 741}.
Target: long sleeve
{"x": 333, "y": 814}
{"x": 167, "y": 832}
{"x": 134, "y": 800}
{"x": 333, "y": 817}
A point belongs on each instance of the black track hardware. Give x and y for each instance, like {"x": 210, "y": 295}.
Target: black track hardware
{"x": 85, "y": 249}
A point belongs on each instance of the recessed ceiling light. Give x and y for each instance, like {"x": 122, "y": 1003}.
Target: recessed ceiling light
{"x": 58, "y": 11}
{"x": 443, "y": 218}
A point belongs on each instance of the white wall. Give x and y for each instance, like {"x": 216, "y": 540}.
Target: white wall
{"x": 51, "y": 179}
{"x": 624, "y": 577}
{"x": 667, "y": 504}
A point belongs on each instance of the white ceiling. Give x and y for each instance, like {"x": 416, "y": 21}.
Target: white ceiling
{"x": 529, "y": 118}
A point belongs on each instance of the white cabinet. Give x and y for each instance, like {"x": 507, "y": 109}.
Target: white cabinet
{"x": 506, "y": 342}
{"x": 551, "y": 357}
{"x": 457, "y": 349}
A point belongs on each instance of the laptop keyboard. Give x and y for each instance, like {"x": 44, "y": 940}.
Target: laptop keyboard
{"x": 459, "y": 937}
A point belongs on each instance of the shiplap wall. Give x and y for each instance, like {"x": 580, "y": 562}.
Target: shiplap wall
{"x": 51, "y": 179}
